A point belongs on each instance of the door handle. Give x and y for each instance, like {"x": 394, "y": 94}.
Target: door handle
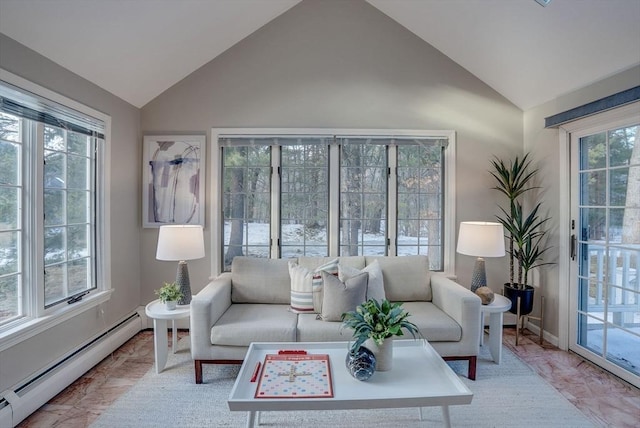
{"x": 573, "y": 247}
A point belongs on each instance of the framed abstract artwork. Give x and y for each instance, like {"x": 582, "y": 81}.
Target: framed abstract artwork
{"x": 173, "y": 180}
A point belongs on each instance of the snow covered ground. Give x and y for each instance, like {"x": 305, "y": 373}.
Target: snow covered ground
{"x": 256, "y": 240}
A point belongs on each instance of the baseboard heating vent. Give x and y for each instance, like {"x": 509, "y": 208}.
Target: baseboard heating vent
{"x": 17, "y": 404}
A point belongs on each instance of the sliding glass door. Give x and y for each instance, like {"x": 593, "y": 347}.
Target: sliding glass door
{"x": 605, "y": 286}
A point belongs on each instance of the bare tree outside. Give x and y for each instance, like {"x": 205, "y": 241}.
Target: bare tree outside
{"x": 246, "y": 202}
{"x": 304, "y": 196}
{"x": 631, "y": 218}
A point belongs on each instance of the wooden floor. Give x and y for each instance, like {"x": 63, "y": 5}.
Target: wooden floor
{"x": 605, "y": 399}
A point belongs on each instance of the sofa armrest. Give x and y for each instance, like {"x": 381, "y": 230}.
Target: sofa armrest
{"x": 206, "y": 308}
{"x": 460, "y": 304}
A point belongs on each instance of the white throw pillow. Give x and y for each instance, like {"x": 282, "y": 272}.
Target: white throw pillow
{"x": 306, "y": 286}
{"x": 375, "y": 287}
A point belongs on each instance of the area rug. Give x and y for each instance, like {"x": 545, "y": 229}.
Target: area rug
{"x": 507, "y": 395}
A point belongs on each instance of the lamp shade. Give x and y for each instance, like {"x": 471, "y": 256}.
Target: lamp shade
{"x": 180, "y": 242}
{"x": 481, "y": 239}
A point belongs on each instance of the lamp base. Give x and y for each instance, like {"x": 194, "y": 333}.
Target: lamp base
{"x": 479, "y": 278}
{"x": 182, "y": 281}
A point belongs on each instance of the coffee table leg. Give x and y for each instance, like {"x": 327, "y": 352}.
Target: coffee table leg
{"x": 251, "y": 419}
{"x": 446, "y": 417}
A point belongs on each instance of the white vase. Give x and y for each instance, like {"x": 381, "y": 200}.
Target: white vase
{"x": 171, "y": 304}
{"x": 383, "y": 353}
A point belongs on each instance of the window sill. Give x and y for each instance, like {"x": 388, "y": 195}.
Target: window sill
{"x": 26, "y": 328}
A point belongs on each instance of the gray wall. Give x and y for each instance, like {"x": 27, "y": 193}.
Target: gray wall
{"x": 29, "y": 356}
{"x": 545, "y": 148}
{"x": 341, "y": 65}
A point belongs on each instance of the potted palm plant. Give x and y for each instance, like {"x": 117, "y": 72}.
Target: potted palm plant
{"x": 525, "y": 231}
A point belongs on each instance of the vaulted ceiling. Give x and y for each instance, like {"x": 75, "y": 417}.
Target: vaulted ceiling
{"x": 136, "y": 49}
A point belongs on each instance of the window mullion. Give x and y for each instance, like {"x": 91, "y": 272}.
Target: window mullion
{"x": 334, "y": 200}
{"x": 392, "y": 200}
{"x": 276, "y": 175}
{"x": 35, "y": 219}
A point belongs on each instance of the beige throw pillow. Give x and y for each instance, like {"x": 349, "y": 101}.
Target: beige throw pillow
{"x": 340, "y": 297}
{"x": 375, "y": 287}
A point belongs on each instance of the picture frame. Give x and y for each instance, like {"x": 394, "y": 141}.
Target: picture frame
{"x": 173, "y": 180}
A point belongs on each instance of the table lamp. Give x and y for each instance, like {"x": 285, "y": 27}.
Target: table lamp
{"x": 480, "y": 239}
{"x": 181, "y": 243}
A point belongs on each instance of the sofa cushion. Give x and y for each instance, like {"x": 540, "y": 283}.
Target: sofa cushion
{"x": 375, "y": 284}
{"x": 257, "y": 280}
{"x": 433, "y": 323}
{"x": 406, "y": 278}
{"x": 307, "y": 283}
{"x": 312, "y": 329}
{"x": 340, "y": 297}
{"x": 244, "y": 323}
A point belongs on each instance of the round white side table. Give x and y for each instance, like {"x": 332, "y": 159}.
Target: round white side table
{"x": 495, "y": 309}
{"x": 158, "y": 311}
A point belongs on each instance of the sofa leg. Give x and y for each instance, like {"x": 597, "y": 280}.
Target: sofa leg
{"x": 197, "y": 365}
{"x": 472, "y": 364}
{"x": 472, "y": 367}
{"x": 198, "y": 369}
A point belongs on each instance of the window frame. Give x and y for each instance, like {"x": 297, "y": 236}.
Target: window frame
{"x": 449, "y": 186}
{"x": 35, "y": 317}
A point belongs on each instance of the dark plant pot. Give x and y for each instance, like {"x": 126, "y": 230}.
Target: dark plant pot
{"x": 526, "y": 298}
{"x": 361, "y": 363}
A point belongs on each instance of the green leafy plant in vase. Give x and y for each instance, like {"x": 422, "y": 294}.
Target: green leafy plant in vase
{"x": 374, "y": 322}
{"x": 169, "y": 294}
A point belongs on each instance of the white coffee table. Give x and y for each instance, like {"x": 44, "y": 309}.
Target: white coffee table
{"x": 158, "y": 311}
{"x": 495, "y": 309}
{"x": 419, "y": 378}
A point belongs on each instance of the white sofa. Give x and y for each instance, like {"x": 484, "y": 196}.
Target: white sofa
{"x": 252, "y": 304}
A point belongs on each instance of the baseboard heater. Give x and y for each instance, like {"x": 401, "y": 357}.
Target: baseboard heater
{"x": 17, "y": 404}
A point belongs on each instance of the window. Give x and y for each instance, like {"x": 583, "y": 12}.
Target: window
{"x": 246, "y": 201}
{"x": 291, "y": 193}
{"x": 363, "y": 196}
{"x": 304, "y": 198}
{"x": 69, "y": 220}
{"x": 51, "y": 206}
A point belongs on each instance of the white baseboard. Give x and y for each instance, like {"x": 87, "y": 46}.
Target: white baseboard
{"x": 25, "y": 399}
{"x": 545, "y": 334}
{"x": 6, "y": 416}
{"x": 510, "y": 320}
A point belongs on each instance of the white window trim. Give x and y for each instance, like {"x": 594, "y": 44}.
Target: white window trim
{"x": 37, "y": 319}
{"x": 448, "y": 240}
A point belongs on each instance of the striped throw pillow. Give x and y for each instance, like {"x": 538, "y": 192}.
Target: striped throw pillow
{"x": 306, "y": 285}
